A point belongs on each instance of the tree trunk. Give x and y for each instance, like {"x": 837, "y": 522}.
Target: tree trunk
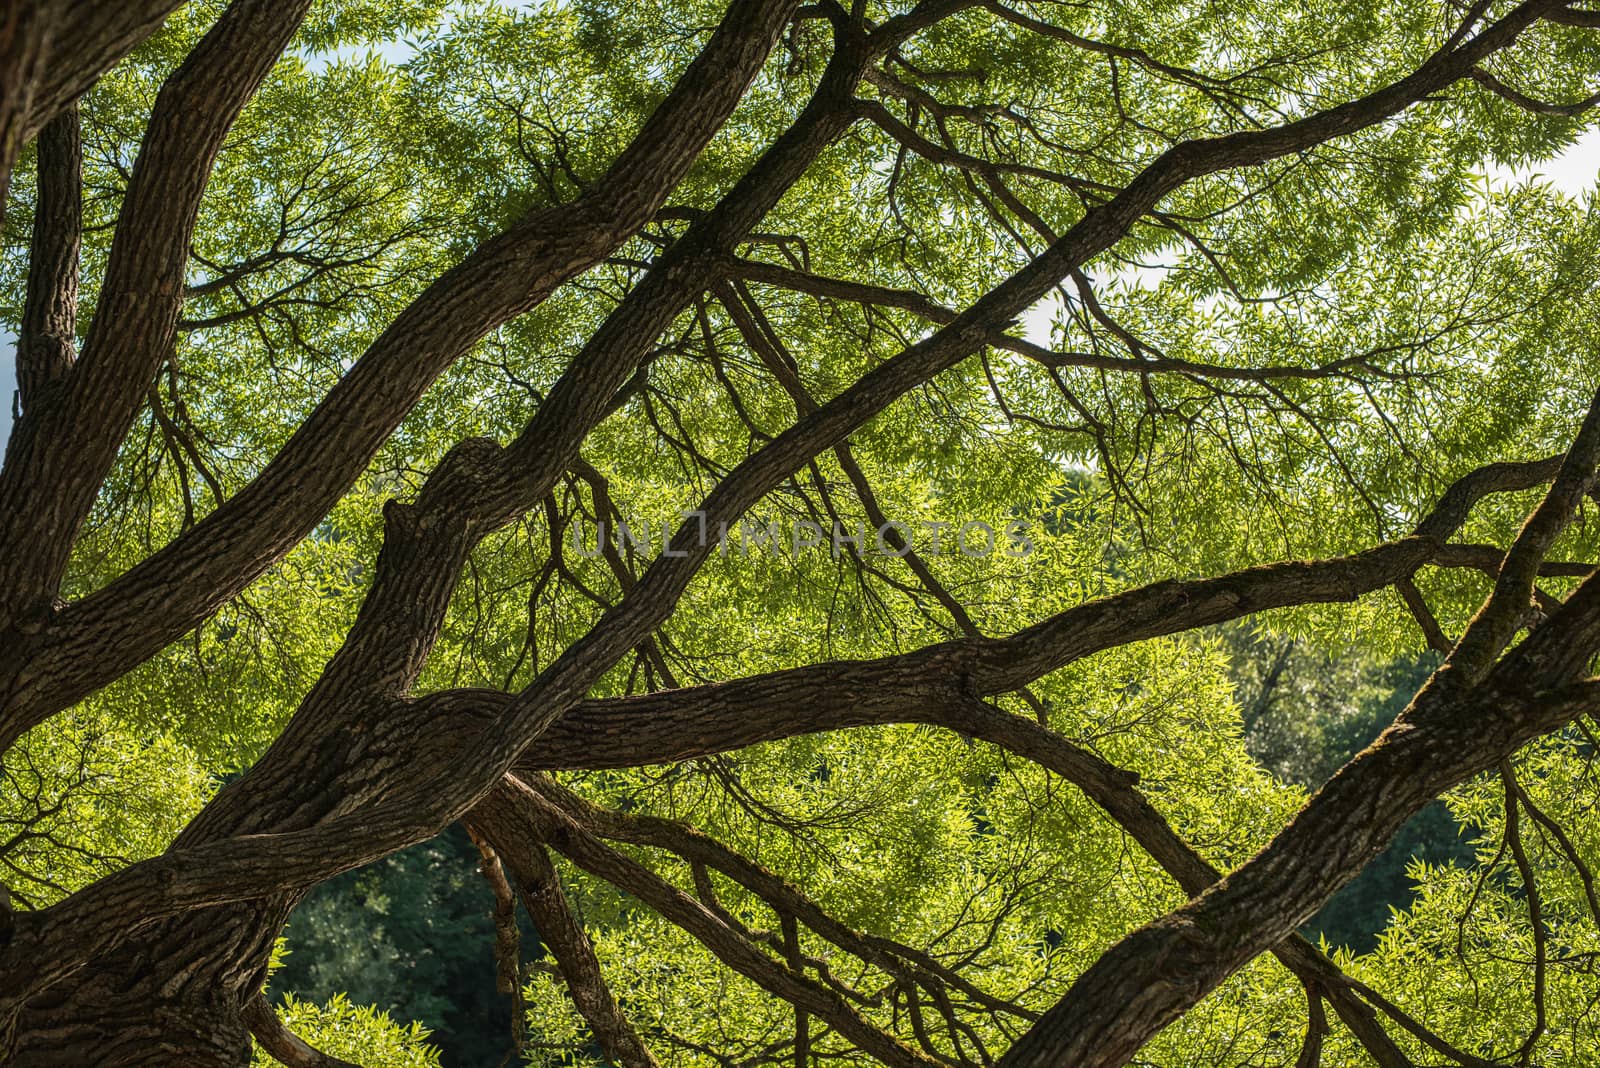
{"x": 173, "y": 997}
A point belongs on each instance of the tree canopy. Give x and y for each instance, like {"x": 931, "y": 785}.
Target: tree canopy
{"x": 875, "y": 525}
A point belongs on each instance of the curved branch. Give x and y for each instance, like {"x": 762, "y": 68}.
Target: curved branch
{"x": 1468, "y": 717}
{"x": 696, "y": 847}
{"x": 518, "y": 809}
{"x": 158, "y": 600}
{"x": 98, "y": 37}
{"x": 247, "y": 866}
{"x": 1529, "y": 103}
{"x": 284, "y": 1045}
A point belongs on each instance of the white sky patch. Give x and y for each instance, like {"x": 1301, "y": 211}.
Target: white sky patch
{"x": 8, "y": 382}
{"x": 1038, "y": 322}
{"x": 1573, "y": 172}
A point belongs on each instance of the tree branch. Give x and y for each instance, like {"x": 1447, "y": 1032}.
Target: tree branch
{"x": 284, "y": 1045}
{"x": 99, "y": 36}
{"x": 1467, "y": 718}
{"x": 245, "y": 866}
{"x": 520, "y": 810}
{"x": 61, "y": 450}
{"x": 539, "y": 886}
{"x": 146, "y": 609}
{"x": 25, "y": 36}
{"x": 1533, "y": 104}
{"x": 47, "y": 341}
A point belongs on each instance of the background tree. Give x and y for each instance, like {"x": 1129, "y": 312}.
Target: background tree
{"x": 330, "y": 367}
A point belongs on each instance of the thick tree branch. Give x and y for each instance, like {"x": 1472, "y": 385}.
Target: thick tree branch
{"x": 149, "y": 607}
{"x": 539, "y": 887}
{"x": 1468, "y": 717}
{"x": 26, "y": 29}
{"x": 91, "y": 39}
{"x": 61, "y": 450}
{"x": 47, "y": 341}
{"x": 243, "y": 867}
{"x": 1576, "y": 16}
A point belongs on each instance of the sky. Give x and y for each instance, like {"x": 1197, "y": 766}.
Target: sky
{"x": 1573, "y": 172}
{"x": 8, "y": 382}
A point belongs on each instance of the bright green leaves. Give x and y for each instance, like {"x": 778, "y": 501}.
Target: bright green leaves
{"x": 84, "y": 795}
{"x": 341, "y": 1029}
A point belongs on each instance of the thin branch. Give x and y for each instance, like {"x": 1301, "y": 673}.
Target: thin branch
{"x": 1533, "y": 104}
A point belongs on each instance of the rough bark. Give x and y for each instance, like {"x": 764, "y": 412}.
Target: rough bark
{"x": 94, "y": 37}
{"x": 1470, "y": 716}
{"x": 51, "y": 52}
{"x": 539, "y": 886}
{"x": 227, "y": 958}
{"x": 47, "y": 341}
{"x": 96, "y": 640}
{"x": 25, "y": 32}
{"x": 63, "y": 446}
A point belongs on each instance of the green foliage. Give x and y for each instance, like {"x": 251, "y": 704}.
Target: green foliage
{"x": 90, "y": 796}
{"x": 341, "y": 1029}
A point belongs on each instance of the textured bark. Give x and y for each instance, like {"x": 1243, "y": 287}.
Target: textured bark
{"x": 181, "y": 1002}
{"x": 92, "y": 37}
{"x": 1468, "y": 718}
{"x": 423, "y": 540}
{"x": 46, "y": 344}
{"x": 159, "y": 600}
{"x": 25, "y": 32}
{"x": 539, "y": 887}
{"x": 63, "y": 446}
{"x": 285, "y": 1046}
{"x": 51, "y": 52}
